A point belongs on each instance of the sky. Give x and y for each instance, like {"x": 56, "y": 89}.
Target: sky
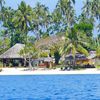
{"x": 51, "y": 4}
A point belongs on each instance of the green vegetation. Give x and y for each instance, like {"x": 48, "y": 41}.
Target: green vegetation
{"x": 16, "y": 24}
{"x": 98, "y": 67}
{"x": 29, "y": 51}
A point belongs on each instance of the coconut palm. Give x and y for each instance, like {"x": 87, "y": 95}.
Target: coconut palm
{"x": 58, "y": 24}
{"x": 75, "y": 42}
{"x": 41, "y": 20}
{"x": 95, "y": 8}
{"x": 2, "y": 2}
{"x": 67, "y": 11}
{"x": 23, "y": 17}
{"x": 7, "y": 15}
{"x": 97, "y": 45}
{"x": 92, "y": 10}
{"x": 98, "y": 27}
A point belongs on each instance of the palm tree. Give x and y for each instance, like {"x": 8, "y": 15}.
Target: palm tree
{"x": 98, "y": 27}
{"x": 67, "y": 11}
{"x": 5, "y": 41}
{"x": 75, "y": 42}
{"x": 7, "y": 15}
{"x": 97, "y": 45}
{"x": 2, "y": 2}
{"x": 57, "y": 24}
{"x": 23, "y": 17}
{"x": 92, "y": 10}
{"x": 41, "y": 20}
{"x": 95, "y": 8}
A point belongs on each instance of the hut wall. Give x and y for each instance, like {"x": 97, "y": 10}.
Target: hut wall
{"x": 82, "y": 62}
{"x": 97, "y": 61}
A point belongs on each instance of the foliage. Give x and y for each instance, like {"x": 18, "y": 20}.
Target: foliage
{"x": 41, "y": 21}
{"x": 98, "y": 51}
{"x": 57, "y": 57}
{"x": 44, "y": 54}
{"x": 4, "y": 41}
{"x": 75, "y": 42}
{"x": 23, "y": 17}
{"x": 91, "y": 9}
{"x": 98, "y": 67}
{"x": 28, "y": 52}
{"x": 55, "y": 51}
{"x": 85, "y": 27}
{"x": 17, "y": 24}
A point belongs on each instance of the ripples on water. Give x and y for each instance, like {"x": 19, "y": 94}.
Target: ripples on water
{"x": 54, "y": 87}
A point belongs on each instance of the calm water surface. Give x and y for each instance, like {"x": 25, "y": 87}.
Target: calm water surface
{"x": 55, "y": 87}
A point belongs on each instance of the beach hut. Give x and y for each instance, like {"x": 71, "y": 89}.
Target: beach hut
{"x": 12, "y": 56}
{"x": 93, "y": 59}
{"x": 45, "y": 62}
{"x": 78, "y": 59}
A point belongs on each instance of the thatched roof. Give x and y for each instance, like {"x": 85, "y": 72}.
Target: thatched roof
{"x": 92, "y": 55}
{"x": 45, "y": 59}
{"x": 48, "y": 41}
{"x": 77, "y": 57}
{"x": 13, "y": 52}
{"x": 48, "y": 59}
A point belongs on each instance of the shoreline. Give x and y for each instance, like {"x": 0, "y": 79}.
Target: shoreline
{"x": 20, "y": 71}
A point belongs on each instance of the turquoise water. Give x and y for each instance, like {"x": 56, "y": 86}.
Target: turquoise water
{"x": 55, "y": 87}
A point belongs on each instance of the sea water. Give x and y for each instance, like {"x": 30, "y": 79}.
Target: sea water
{"x": 50, "y": 87}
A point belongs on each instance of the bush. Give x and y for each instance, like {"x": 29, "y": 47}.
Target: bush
{"x": 43, "y": 54}
{"x": 98, "y": 67}
{"x": 1, "y": 64}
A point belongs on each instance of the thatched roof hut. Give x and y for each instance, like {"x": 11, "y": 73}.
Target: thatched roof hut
{"x": 49, "y": 41}
{"x": 77, "y": 57}
{"x": 94, "y": 59}
{"x": 13, "y": 52}
{"x": 92, "y": 55}
{"x": 45, "y": 59}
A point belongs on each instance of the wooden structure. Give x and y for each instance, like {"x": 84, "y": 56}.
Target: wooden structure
{"x": 78, "y": 59}
{"x": 12, "y": 56}
{"x": 93, "y": 59}
{"x": 45, "y": 62}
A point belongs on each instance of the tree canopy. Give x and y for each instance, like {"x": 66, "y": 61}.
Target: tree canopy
{"x": 28, "y": 24}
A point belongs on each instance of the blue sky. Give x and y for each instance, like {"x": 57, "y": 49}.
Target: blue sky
{"x": 49, "y": 3}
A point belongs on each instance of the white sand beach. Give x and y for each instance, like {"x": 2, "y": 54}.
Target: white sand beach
{"x": 20, "y": 71}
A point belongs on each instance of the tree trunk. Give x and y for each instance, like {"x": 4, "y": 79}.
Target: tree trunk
{"x": 24, "y": 62}
{"x": 30, "y": 65}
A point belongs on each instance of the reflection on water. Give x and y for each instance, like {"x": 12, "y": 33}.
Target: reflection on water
{"x": 54, "y": 87}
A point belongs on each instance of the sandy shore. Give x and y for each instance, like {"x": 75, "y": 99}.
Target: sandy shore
{"x": 20, "y": 71}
